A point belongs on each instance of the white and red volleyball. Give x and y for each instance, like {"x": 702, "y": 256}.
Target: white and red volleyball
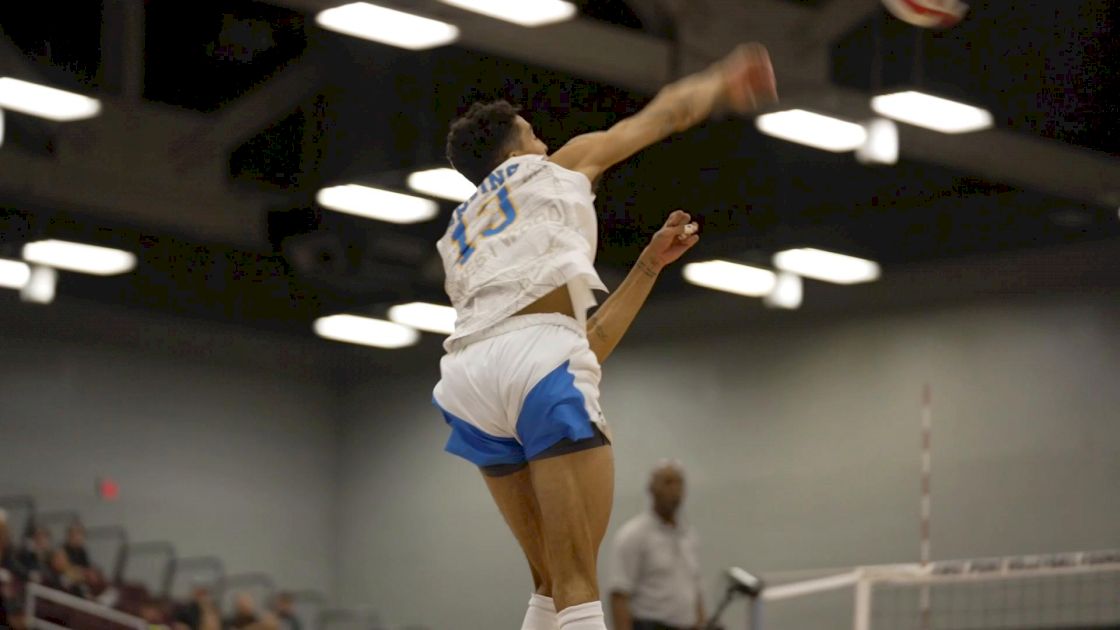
{"x": 928, "y": 13}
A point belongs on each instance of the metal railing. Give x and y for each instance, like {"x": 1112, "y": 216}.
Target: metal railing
{"x": 308, "y": 604}
{"x": 152, "y": 548}
{"x": 181, "y": 567}
{"x": 54, "y": 517}
{"x": 36, "y": 592}
{"x": 111, "y": 533}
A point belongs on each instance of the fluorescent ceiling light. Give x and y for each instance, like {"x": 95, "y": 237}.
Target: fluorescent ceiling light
{"x": 731, "y": 277}
{"x": 46, "y": 102}
{"x": 40, "y": 286}
{"x": 882, "y": 143}
{"x": 430, "y": 317}
{"x": 787, "y": 292}
{"x": 365, "y": 331}
{"x": 374, "y": 203}
{"x": 14, "y": 274}
{"x": 827, "y": 266}
{"x": 815, "y": 130}
{"x": 932, "y": 112}
{"x": 445, "y": 183}
{"x": 387, "y": 26}
{"x": 99, "y": 261}
{"x": 523, "y": 12}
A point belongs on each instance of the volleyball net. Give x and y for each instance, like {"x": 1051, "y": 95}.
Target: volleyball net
{"x": 1069, "y": 591}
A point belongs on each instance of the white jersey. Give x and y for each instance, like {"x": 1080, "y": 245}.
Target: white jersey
{"x": 530, "y": 228}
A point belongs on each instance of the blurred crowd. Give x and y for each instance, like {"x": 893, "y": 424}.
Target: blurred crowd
{"x": 66, "y": 567}
{"x": 202, "y": 613}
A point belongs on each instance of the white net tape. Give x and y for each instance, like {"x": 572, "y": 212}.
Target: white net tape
{"x": 1064, "y": 591}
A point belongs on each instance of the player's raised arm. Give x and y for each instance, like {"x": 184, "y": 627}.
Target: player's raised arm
{"x": 741, "y": 82}
{"x": 607, "y": 327}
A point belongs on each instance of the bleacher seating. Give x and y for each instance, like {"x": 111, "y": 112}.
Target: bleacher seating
{"x": 130, "y": 597}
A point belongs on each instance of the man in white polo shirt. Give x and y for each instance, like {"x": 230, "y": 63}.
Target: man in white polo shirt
{"x": 655, "y": 579}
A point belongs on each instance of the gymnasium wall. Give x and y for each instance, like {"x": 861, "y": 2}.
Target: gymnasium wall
{"x": 222, "y": 440}
{"x": 800, "y": 436}
{"x": 801, "y": 443}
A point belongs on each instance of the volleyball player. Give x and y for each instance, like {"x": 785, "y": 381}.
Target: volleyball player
{"x": 519, "y": 384}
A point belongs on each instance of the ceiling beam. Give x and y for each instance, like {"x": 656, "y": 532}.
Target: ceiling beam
{"x": 14, "y": 62}
{"x": 1029, "y": 162}
{"x": 129, "y": 180}
{"x": 209, "y": 142}
{"x": 212, "y": 214}
{"x": 815, "y": 33}
{"x": 582, "y": 47}
{"x": 122, "y": 48}
{"x": 799, "y": 40}
{"x": 1032, "y": 272}
{"x": 150, "y": 173}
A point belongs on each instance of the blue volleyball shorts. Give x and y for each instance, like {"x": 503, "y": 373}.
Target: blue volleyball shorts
{"x": 513, "y": 393}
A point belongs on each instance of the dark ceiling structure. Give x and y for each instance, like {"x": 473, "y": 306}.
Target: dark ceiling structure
{"x": 223, "y": 118}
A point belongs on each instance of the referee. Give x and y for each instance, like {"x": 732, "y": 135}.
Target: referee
{"x": 655, "y": 573}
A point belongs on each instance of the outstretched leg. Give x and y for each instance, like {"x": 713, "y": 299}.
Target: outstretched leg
{"x": 574, "y": 494}
{"x": 518, "y": 504}
{"x": 513, "y": 492}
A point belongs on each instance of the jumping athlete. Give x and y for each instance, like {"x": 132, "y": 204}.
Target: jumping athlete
{"x": 519, "y": 384}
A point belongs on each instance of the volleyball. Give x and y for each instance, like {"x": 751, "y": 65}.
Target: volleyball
{"x": 928, "y": 13}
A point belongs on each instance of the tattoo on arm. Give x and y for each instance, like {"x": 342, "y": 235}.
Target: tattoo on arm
{"x": 594, "y": 327}
{"x": 599, "y": 332}
{"x": 646, "y": 268}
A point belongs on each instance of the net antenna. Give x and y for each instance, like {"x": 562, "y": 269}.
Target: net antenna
{"x": 926, "y": 545}
{"x": 739, "y": 582}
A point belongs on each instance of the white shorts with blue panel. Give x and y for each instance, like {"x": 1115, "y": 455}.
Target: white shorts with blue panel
{"x": 520, "y": 388}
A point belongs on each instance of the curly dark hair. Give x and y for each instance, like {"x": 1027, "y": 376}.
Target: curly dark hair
{"x": 479, "y": 138}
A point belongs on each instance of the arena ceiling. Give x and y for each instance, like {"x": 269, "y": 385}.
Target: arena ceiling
{"x": 223, "y": 118}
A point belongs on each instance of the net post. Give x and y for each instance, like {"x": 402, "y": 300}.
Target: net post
{"x": 754, "y": 613}
{"x": 926, "y": 503}
{"x": 862, "y": 615}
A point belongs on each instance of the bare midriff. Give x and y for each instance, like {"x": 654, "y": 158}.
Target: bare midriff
{"x": 558, "y": 301}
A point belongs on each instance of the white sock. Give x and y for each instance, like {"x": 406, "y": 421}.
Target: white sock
{"x": 587, "y": 616}
{"x": 541, "y": 614}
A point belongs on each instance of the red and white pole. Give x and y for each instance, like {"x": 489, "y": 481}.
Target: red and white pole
{"x": 927, "y": 463}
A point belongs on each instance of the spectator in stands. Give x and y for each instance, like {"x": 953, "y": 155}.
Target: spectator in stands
{"x": 267, "y": 622}
{"x": 153, "y": 613}
{"x": 201, "y": 613}
{"x": 246, "y": 616}
{"x": 103, "y": 592}
{"x": 9, "y": 559}
{"x": 284, "y": 606}
{"x": 7, "y": 578}
{"x": 244, "y": 612}
{"x": 12, "y": 572}
{"x": 76, "y": 546}
{"x": 36, "y": 553}
{"x": 66, "y": 577}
